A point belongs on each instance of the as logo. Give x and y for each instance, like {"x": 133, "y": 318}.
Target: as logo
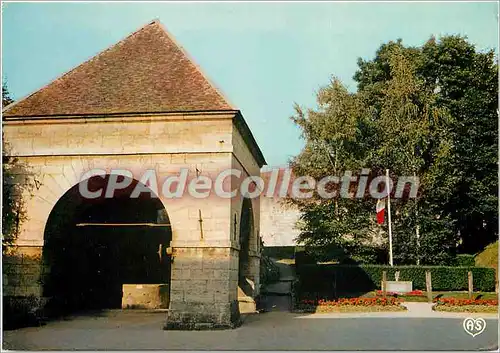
{"x": 474, "y": 327}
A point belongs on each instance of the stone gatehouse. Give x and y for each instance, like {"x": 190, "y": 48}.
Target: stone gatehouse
{"x": 141, "y": 104}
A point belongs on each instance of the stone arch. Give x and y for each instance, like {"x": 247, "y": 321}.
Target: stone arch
{"x": 246, "y": 239}
{"x": 88, "y": 253}
{"x": 51, "y": 177}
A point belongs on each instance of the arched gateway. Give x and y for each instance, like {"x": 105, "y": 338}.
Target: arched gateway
{"x": 144, "y": 107}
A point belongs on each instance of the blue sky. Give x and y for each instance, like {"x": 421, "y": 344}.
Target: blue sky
{"x": 263, "y": 56}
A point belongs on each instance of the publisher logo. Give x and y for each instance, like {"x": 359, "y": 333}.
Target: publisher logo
{"x": 474, "y": 327}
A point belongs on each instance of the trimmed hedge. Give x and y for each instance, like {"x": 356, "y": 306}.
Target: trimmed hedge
{"x": 279, "y": 252}
{"x": 329, "y": 279}
{"x": 465, "y": 260}
{"x": 365, "y": 255}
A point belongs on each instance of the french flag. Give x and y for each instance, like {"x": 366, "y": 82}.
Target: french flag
{"x": 380, "y": 211}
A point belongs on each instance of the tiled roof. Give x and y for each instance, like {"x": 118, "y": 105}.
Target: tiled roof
{"x": 147, "y": 72}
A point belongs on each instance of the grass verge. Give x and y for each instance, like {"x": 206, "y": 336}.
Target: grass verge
{"x": 488, "y": 257}
{"x": 466, "y": 308}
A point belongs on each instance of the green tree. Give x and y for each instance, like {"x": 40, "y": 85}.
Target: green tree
{"x": 467, "y": 81}
{"x": 13, "y": 187}
{"x": 6, "y": 99}
{"x": 413, "y": 137}
{"x": 428, "y": 111}
{"x": 334, "y": 134}
{"x": 460, "y": 176}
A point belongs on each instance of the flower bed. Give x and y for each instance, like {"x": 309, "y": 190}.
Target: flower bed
{"x": 413, "y": 296}
{"x": 351, "y": 304}
{"x": 466, "y": 305}
{"x": 463, "y": 302}
{"x": 413, "y": 293}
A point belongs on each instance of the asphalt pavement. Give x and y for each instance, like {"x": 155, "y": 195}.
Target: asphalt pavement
{"x": 275, "y": 330}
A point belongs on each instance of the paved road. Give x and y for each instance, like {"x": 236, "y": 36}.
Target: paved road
{"x": 268, "y": 331}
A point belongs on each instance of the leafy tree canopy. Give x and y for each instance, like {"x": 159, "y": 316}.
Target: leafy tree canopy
{"x": 428, "y": 111}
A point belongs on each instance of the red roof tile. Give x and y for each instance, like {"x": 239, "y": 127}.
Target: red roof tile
{"x": 147, "y": 72}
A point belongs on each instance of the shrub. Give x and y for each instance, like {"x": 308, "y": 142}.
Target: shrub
{"x": 303, "y": 257}
{"x": 331, "y": 279}
{"x": 364, "y": 255}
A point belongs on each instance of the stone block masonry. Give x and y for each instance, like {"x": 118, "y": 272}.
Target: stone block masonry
{"x": 23, "y": 273}
{"x": 202, "y": 296}
{"x": 145, "y": 296}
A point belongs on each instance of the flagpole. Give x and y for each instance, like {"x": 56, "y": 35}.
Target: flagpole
{"x": 417, "y": 230}
{"x": 387, "y": 187}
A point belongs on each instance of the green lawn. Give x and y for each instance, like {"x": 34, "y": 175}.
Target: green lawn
{"x": 466, "y": 308}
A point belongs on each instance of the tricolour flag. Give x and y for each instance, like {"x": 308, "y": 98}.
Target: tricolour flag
{"x": 380, "y": 211}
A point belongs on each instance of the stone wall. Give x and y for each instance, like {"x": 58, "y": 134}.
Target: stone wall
{"x": 22, "y": 277}
{"x": 56, "y": 154}
{"x": 181, "y": 133}
{"x": 22, "y": 272}
{"x": 243, "y": 160}
{"x": 204, "y": 281}
{"x": 278, "y": 222}
{"x": 203, "y": 292}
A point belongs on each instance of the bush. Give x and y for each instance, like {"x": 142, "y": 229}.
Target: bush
{"x": 329, "y": 280}
{"x": 466, "y": 260}
{"x": 303, "y": 257}
{"x": 279, "y": 252}
{"x": 364, "y": 255}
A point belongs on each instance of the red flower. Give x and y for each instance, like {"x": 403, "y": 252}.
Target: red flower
{"x": 353, "y": 301}
{"x": 462, "y": 302}
{"x": 416, "y": 292}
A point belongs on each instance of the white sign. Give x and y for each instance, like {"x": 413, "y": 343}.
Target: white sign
{"x": 399, "y": 286}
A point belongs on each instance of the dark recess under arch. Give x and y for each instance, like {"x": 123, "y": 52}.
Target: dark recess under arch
{"x": 86, "y": 266}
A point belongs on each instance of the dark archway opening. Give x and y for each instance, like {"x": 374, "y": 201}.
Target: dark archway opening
{"x": 246, "y": 229}
{"x": 94, "y": 246}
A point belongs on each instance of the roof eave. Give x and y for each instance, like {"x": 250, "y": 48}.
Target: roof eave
{"x": 249, "y": 139}
{"x": 7, "y": 117}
